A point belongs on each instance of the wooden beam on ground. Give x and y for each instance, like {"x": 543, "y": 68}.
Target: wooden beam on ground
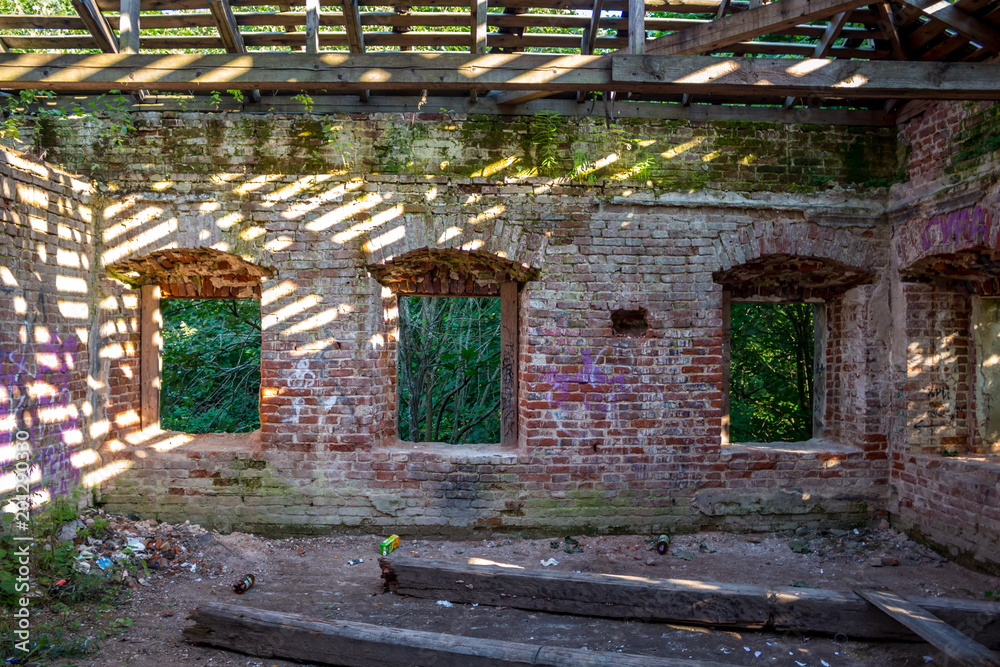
{"x": 932, "y": 629}
{"x": 355, "y": 37}
{"x": 675, "y": 601}
{"x": 960, "y": 21}
{"x": 771, "y": 18}
{"x": 274, "y": 634}
{"x": 229, "y": 33}
{"x": 150, "y": 355}
{"x": 98, "y": 26}
{"x": 659, "y": 75}
{"x": 825, "y": 42}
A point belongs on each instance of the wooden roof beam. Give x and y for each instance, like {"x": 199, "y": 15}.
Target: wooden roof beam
{"x": 229, "y": 33}
{"x": 98, "y": 26}
{"x": 660, "y": 75}
{"x": 771, "y": 18}
{"x": 825, "y": 43}
{"x": 355, "y": 37}
{"x": 960, "y": 21}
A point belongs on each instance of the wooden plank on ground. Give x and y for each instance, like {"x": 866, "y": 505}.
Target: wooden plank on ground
{"x": 932, "y": 629}
{"x": 660, "y": 75}
{"x": 273, "y": 634}
{"x": 771, "y": 18}
{"x": 673, "y": 600}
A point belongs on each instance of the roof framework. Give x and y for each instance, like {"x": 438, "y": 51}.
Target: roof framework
{"x": 848, "y": 61}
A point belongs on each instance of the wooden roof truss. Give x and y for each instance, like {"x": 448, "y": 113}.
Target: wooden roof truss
{"x": 920, "y": 42}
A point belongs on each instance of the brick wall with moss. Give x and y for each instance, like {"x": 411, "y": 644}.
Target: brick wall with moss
{"x": 669, "y": 155}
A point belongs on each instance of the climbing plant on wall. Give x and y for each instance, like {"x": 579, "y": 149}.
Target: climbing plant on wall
{"x": 771, "y": 372}
{"x": 449, "y": 369}
{"x": 211, "y": 365}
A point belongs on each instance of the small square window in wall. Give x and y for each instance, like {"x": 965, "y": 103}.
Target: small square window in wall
{"x": 772, "y": 371}
{"x": 209, "y": 365}
{"x": 449, "y": 369}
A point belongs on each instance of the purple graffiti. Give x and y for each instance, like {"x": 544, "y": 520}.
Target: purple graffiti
{"x": 49, "y": 363}
{"x": 972, "y": 224}
{"x": 590, "y": 375}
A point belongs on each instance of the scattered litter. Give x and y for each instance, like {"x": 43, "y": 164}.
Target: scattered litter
{"x": 547, "y": 563}
{"x": 756, "y": 654}
{"x": 136, "y": 544}
{"x": 824, "y": 663}
{"x": 245, "y": 583}
{"x": 444, "y": 603}
{"x": 356, "y": 561}
{"x": 104, "y": 562}
{"x": 704, "y": 549}
{"x": 927, "y": 658}
{"x": 388, "y": 545}
{"x": 746, "y": 648}
{"x": 662, "y": 542}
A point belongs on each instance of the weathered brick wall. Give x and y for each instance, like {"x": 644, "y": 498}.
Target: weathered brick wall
{"x": 48, "y": 412}
{"x": 946, "y": 233}
{"x": 616, "y": 432}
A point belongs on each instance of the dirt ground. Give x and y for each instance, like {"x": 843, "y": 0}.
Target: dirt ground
{"x": 315, "y": 577}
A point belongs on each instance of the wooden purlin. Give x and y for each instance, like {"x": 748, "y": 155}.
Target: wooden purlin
{"x": 554, "y": 72}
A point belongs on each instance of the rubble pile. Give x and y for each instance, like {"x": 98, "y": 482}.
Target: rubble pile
{"x": 128, "y": 543}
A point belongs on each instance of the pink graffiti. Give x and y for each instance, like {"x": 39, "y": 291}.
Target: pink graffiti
{"x": 971, "y": 224}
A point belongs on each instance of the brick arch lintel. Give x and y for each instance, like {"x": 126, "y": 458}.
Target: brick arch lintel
{"x": 450, "y": 272}
{"x": 201, "y": 273}
{"x": 858, "y": 249}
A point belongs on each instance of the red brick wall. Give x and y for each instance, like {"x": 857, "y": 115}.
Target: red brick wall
{"x": 945, "y": 229}
{"x": 46, "y": 337}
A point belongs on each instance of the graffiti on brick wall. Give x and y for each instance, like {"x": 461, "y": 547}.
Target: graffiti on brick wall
{"x": 970, "y": 226}
{"x": 600, "y": 391}
{"x": 35, "y": 376}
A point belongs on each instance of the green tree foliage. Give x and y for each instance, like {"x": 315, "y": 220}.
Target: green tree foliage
{"x": 449, "y": 369}
{"x": 771, "y": 372}
{"x": 211, "y": 365}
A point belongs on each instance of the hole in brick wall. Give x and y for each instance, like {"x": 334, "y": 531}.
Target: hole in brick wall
{"x": 633, "y": 323}
{"x": 211, "y": 365}
{"x": 449, "y": 369}
{"x": 771, "y": 372}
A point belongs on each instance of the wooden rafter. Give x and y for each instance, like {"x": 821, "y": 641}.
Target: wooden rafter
{"x": 312, "y": 26}
{"x": 229, "y": 33}
{"x": 355, "y": 36}
{"x": 960, "y": 21}
{"x": 888, "y": 25}
{"x": 98, "y": 26}
{"x": 825, "y": 43}
{"x": 752, "y": 23}
{"x": 554, "y": 72}
{"x": 128, "y": 27}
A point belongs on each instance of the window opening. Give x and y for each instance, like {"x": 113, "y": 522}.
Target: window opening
{"x": 211, "y": 365}
{"x": 772, "y": 347}
{"x": 449, "y": 369}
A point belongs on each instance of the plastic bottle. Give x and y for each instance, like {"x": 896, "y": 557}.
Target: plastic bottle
{"x": 244, "y": 584}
